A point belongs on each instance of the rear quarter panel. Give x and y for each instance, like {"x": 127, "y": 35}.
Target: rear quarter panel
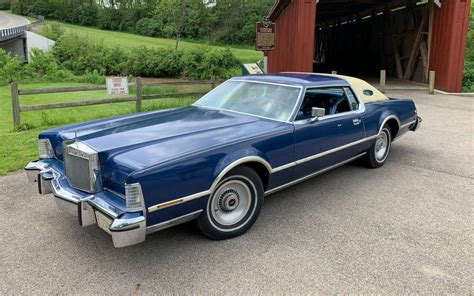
{"x": 377, "y": 112}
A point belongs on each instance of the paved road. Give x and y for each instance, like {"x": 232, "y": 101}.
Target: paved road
{"x": 404, "y": 228}
{"x": 8, "y": 20}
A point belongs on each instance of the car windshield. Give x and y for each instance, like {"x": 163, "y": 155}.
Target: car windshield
{"x": 261, "y": 99}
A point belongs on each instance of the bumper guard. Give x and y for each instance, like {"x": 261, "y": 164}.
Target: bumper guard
{"x": 124, "y": 231}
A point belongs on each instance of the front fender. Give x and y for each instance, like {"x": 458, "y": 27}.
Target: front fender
{"x": 237, "y": 158}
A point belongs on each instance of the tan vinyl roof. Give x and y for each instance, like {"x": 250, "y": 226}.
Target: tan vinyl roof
{"x": 366, "y": 92}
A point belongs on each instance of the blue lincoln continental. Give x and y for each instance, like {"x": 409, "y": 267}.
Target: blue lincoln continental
{"x": 215, "y": 160}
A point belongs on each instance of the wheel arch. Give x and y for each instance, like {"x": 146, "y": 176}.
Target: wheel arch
{"x": 393, "y": 123}
{"x": 257, "y": 163}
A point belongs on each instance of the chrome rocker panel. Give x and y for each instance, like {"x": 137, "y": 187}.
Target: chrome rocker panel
{"x": 124, "y": 232}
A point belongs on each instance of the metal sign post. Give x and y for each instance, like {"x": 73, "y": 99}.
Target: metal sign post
{"x": 265, "y": 40}
{"x": 265, "y": 61}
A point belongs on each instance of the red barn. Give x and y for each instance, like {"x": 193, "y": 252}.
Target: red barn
{"x": 407, "y": 38}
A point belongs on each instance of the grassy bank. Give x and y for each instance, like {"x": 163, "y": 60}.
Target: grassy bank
{"x": 19, "y": 147}
{"x": 127, "y": 40}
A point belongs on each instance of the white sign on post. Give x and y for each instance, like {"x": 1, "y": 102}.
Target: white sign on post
{"x": 117, "y": 86}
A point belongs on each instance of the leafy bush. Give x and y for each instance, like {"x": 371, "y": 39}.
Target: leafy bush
{"x": 53, "y": 31}
{"x": 82, "y": 55}
{"x": 80, "y": 59}
{"x": 149, "y": 27}
{"x": 468, "y": 79}
{"x": 148, "y": 62}
{"x": 202, "y": 63}
{"x": 43, "y": 65}
{"x": 10, "y": 68}
{"x": 4, "y": 4}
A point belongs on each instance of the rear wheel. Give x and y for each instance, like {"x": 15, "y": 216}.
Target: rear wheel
{"x": 234, "y": 206}
{"x": 378, "y": 152}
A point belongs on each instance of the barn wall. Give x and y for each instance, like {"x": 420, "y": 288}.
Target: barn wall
{"x": 448, "y": 45}
{"x": 294, "y": 38}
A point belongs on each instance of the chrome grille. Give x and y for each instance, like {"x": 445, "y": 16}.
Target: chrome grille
{"x": 81, "y": 165}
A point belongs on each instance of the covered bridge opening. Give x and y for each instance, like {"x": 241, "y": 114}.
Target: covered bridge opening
{"x": 407, "y": 38}
{"x": 362, "y": 37}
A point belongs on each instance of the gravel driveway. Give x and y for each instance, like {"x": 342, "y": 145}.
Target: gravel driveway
{"x": 404, "y": 228}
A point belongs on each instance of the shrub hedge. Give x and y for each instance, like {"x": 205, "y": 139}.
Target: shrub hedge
{"x": 81, "y": 55}
{"x": 75, "y": 58}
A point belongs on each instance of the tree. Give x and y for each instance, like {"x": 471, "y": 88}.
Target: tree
{"x": 174, "y": 12}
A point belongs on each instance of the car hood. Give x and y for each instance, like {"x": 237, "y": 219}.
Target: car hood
{"x": 134, "y": 142}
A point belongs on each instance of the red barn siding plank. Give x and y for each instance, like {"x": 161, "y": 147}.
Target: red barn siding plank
{"x": 294, "y": 38}
{"x": 448, "y": 45}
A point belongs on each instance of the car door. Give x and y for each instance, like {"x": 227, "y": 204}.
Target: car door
{"x": 333, "y": 138}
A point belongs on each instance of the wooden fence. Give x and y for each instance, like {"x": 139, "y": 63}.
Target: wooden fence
{"x": 138, "y": 98}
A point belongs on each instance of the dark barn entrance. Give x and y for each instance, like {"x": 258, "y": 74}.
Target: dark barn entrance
{"x": 407, "y": 38}
{"x": 360, "y": 38}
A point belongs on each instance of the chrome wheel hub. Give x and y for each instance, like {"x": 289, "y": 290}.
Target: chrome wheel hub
{"x": 381, "y": 146}
{"x": 231, "y": 202}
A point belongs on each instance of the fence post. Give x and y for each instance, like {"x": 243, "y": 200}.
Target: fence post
{"x": 383, "y": 76}
{"x": 213, "y": 80}
{"x": 432, "y": 82}
{"x": 139, "y": 94}
{"x": 15, "y": 105}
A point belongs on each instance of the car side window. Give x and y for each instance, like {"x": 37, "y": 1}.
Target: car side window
{"x": 352, "y": 99}
{"x": 334, "y": 100}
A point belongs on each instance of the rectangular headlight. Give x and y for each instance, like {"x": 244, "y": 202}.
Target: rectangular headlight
{"x": 45, "y": 150}
{"x": 133, "y": 197}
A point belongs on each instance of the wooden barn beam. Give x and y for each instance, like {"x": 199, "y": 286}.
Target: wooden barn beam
{"x": 416, "y": 48}
{"x": 430, "y": 33}
{"x": 396, "y": 50}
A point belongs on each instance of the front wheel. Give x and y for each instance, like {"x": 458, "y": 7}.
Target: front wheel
{"x": 234, "y": 206}
{"x": 378, "y": 152}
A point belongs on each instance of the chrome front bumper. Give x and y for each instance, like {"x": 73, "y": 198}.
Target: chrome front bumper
{"x": 126, "y": 229}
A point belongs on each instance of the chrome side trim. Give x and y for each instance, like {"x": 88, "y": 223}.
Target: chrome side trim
{"x": 178, "y": 201}
{"x": 172, "y": 222}
{"x": 322, "y": 154}
{"x": 272, "y": 170}
{"x": 227, "y": 169}
{"x": 271, "y": 191}
{"x": 407, "y": 124}
{"x": 327, "y": 152}
{"x": 247, "y": 159}
{"x": 283, "y": 167}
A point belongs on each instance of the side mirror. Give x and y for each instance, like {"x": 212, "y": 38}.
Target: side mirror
{"x": 316, "y": 113}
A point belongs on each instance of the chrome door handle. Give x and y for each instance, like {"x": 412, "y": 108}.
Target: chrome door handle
{"x": 356, "y": 121}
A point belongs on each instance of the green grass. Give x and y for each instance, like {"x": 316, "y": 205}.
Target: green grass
{"x": 19, "y": 147}
{"x": 127, "y": 40}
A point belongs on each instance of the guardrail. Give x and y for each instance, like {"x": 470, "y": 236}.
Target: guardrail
{"x": 10, "y": 33}
{"x": 138, "y": 98}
